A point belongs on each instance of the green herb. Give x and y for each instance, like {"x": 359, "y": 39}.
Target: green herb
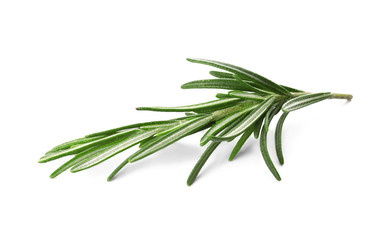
{"x": 249, "y": 108}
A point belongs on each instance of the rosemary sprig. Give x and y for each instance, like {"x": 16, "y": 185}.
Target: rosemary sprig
{"x": 248, "y": 108}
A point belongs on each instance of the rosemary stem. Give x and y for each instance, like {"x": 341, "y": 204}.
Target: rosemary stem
{"x": 348, "y": 97}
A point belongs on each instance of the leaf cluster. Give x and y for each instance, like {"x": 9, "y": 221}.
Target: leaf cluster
{"x": 247, "y": 108}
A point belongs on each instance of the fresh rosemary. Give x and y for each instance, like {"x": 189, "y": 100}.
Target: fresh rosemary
{"x": 248, "y": 108}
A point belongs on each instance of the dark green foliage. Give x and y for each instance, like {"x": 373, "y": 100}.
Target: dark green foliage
{"x": 278, "y": 138}
{"x": 248, "y": 108}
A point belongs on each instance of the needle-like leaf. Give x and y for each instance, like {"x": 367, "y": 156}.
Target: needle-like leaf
{"x": 69, "y": 144}
{"x": 230, "y": 75}
{"x": 264, "y": 152}
{"x": 132, "y": 126}
{"x": 254, "y": 100}
{"x": 161, "y": 133}
{"x": 304, "y": 101}
{"x": 221, "y": 124}
{"x": 222, "y": 95}
{"x": 199, "y": 165}
{"x": 221, "y": 74}
{"x": 82, "y": 147}
{"x": 248, "y": 85}
{"x": 166, "y": 125}
{"x": 212, "y": 105}
{"x": 206, "y": 154}
{"x": 278, "y": 138}
{"x": 247, "y": 95}
{"x": 240, "y": 143}
{"x": 274, "y": 109}
{"x": 247, "y": 121}
{"x": 166, "y": 140}
{"x": 257, "y": 127}
{"x": 98, "y": 154}
{"x": 80, "y": 157}
{"x": 117, "y": 169}
{"x": 150, "y": 143}
{"x": 111, "y": 149}
{"x": 222, "y": 83}
{"x": 261, "y": 81}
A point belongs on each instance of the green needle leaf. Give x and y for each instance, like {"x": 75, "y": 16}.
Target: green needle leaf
{"x": 247, "y": 121}
{"x": 206, "y": 154}
{"x": 182, "y": 124}
{"x": 304, "y": 101}
{"x": 199, "y": 165}
{"x": 252, "y": 88}
{"x": 76, "y": 159}
{"x": 137, "y": 125}
{"x": 266, "y": 157}
{"x": 266, "y": 121}
{"x": 166, "y": 140}
{"x": 229, "y": 75}
{"x": 82, "y": 147}
{"x": 221, "y": 124}
{"x": 261, "y": 81}
{"x": 246, "y": 95}
{"x": 222, "y": 95}
{"x": 222, "y": 83}
{"x": 111, "y": 149}
{"x": 248, "y": 109}
{"x": 221, "y": 74}
{"x": 278, "y": 138}
{"x": 240, "y": 143}
{"x": 117, "y": 169}
{"x": 69, "y": 144}
{"x": 148, "y": 142}
{"x": 274, "y": 109}
{"x": 167, "y": 125}
{"x": 257, "y": 127}
{"x": 98, "y": 154}
{"x": 212, "y": 105}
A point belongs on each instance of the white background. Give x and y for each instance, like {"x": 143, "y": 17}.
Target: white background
{"x": 69, "y": 68}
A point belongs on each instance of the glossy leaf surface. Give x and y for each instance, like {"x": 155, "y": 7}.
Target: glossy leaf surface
{"x": 216, "y": 104}
{"x": 265, "y": 154}
{"x": 278, "y": 138}
{"x": 247, "y": 121}
{"x": 256, "y": 78}
{"x": 222, "y": 83}
{"x": 304, "y": 101}
{"x": 240, "y": 143}
{"x": 166, "y": 140}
